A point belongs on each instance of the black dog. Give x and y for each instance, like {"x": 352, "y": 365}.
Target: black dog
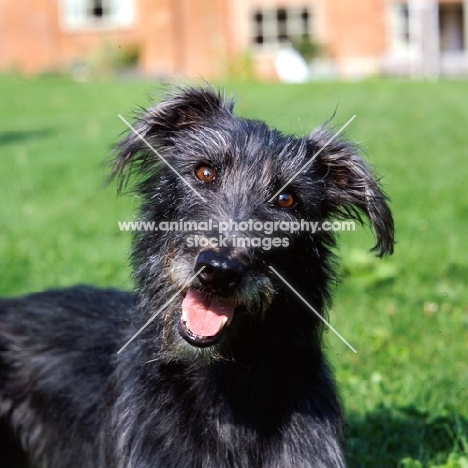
{"x": 227, "y": 369}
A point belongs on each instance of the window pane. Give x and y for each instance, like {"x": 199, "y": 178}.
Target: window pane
{"x": 276, "y": 26}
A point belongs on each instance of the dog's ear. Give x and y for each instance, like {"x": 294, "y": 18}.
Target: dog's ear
{"x": 156, "y": 128}
{"x": 351, "y": 187}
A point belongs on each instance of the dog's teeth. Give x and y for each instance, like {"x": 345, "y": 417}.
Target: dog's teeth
{"x": 184, "y": 315}
{"x": 223, "y": 322}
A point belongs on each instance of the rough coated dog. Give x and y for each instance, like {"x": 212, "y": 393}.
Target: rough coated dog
{"x": 228, "y": 368}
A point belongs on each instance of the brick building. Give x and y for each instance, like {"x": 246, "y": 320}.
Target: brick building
{"x": 211, "y": 38}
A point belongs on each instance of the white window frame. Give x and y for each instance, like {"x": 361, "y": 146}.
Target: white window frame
{"x": 400, "y": 28}
{"x": 77, "y": 14}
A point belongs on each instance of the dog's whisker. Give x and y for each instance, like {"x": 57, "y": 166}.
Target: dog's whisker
{"x": 151, "y": 360}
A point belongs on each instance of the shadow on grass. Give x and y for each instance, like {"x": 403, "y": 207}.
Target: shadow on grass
{"x": 387, "y": 436}
{"x": 18, "y": 136}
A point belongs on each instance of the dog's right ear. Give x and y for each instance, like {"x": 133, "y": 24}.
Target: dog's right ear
{"x": 156, "y": 128}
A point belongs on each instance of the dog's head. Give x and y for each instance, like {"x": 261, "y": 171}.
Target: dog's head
{"x": 236, "y": 205}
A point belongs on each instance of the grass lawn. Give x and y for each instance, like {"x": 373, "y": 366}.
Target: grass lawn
{"x": 405, "y": 391}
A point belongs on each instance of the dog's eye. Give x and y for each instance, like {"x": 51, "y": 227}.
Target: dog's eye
{"x": 205, "y": 173}
{"x": 285, "y": 200}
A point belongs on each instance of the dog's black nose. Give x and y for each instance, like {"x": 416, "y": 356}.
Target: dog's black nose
{"x": 221, "y": 273}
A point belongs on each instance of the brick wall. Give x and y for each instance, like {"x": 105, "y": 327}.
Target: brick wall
{"x": 193, "y": 38}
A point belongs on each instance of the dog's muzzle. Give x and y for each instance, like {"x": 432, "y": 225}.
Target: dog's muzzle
{"x": 206, "y": 312}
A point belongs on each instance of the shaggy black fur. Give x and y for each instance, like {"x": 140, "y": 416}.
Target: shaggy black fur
{"x": 258, "y": 393}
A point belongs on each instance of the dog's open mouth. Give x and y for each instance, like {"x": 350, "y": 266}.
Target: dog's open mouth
{"x": 204, "y": 317}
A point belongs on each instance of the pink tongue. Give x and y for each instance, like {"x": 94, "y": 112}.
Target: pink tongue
{"x": 205, "y": 315}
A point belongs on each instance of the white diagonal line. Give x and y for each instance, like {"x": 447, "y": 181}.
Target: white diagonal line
{"x": 159, "y": 155}
{"x": 312, "y": 309}
{"x": 311, "y": 160}
{"x": 159, "y": 310}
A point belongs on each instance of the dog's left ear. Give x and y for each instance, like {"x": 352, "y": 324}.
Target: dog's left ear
{"x": 351, "y": 187}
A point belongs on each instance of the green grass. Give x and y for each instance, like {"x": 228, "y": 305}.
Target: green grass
{"x": 405, "y": 391}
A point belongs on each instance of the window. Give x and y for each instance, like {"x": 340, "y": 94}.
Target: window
{"x": 400, "y": 27}
{"x": 82, "y": 14}
{"x": 452, "y": 27}
{"x": 276, "y": 26}
{"x": 403, "y": 23}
